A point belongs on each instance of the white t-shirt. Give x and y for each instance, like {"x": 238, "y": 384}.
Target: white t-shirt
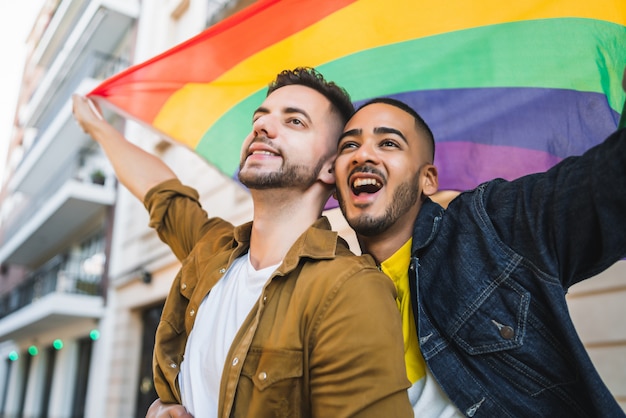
{"x": 219, "y": 317}
{"x": 430, "y": 401}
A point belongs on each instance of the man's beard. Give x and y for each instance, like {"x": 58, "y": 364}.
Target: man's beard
{"x": 289, "y": 176}
{"x": 404, "y": 197}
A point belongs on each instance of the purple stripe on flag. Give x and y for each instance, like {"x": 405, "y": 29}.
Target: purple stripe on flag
{"x": 464, "y": 165}
{"x": 560, "y": 122}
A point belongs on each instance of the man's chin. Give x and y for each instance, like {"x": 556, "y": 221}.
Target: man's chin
{"x": 367, "y": 224}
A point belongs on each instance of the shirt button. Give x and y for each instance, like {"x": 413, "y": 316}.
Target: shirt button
{"x": 507, "y": 332}
{"x": 222, "y": 271}
{"x": 183, "y": 286}
{"x": 262, "y": 376}
{"x": 264, "y": 298}
{"x": 192, "y": 312}
{"x": 173, "y": 365}
{"x": 235, "y": 361}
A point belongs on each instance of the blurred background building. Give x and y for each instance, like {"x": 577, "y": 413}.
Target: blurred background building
{"x": 82, "y": 278}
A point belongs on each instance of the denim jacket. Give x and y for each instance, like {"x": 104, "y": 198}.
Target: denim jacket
{"x": 489, "y": 277}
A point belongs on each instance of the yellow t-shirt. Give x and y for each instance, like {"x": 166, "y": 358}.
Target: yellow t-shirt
{"x": 397, "y": 268}
{"x": 425, "y": 394}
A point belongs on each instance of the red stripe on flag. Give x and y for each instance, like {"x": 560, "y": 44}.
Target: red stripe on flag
{"x": 212, "y": 52}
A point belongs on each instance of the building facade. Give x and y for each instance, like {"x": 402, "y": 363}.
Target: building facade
{"x": 56, "y": 214}
{"x": 83, "y": 279}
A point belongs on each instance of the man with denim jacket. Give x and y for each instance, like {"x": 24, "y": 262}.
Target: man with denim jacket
{"x": 274, "y": 318}
{"x": 488, "y": 275}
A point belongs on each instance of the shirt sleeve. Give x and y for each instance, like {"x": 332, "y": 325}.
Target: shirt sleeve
{"x": 177, "y": 216}
{"x": 357, "y": 362}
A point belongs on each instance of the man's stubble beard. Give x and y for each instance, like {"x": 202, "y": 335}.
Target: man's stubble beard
{"x": 289, "y": 175}
{"x": 404, "y": 197}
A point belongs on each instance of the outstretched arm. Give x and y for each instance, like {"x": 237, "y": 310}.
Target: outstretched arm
{"x": 136, "y": 168}
{"x": 568, "y": 221}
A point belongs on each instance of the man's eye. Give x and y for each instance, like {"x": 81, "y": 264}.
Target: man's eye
{"x": 347, "y": 146}
{"x": 389, "y": 143}
{"x": 295, "y": 121}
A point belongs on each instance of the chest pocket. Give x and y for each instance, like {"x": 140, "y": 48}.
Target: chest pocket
{"x": 508, "y": 333}
{"x": 271, "y": 384}
{"x": 499, "y": 322}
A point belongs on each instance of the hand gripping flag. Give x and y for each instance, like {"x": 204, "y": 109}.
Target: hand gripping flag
{"x": 507, "y": 89}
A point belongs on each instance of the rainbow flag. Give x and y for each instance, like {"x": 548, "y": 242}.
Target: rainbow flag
{"x": 507, "y": 89}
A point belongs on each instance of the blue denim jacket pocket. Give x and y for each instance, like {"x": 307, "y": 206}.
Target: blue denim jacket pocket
{"x": 490, "y": 328}
{"x": 502, "y": 332}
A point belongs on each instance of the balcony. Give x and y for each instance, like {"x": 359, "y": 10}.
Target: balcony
{"x": 53, "y": 143}
{"x": 62, "y": 293}
{"x": 66, "y": 204}
{"x": 77, "y": 30}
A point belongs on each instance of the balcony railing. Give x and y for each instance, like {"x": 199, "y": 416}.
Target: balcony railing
{"x": 58, "y": 275}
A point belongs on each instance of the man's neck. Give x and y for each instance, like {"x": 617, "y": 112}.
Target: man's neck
{"x": 385, "y": 244}
{"x": 279, "y": 220}
{"x": 382, "y": 247}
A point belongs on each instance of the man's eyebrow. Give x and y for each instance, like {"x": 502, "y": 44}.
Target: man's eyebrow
{"x": 385, "y": 130}
{"x": 260, "y": 109}
{"x": 286, "y": 110}
{"x": 351, "y": 132}
{"x": 290, "y": 110}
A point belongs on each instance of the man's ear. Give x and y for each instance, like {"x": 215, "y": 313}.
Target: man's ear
{"x": 327, "y": 173}
{"x": 430, "y": 180}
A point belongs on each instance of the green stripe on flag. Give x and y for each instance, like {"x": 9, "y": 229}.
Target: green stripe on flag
{"x": 563, "y": 53}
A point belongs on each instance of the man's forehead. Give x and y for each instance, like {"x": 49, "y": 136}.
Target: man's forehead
{"x": 296, "y": 94}
{"x": 379, "y": 115}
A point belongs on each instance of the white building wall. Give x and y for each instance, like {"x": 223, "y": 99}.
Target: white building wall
{"x": 15, "y": 387}
{"x": 63, "y": 381}
{"x": 34, "y": 389}
{"x": 99, "y": 369}
{"x": 598, "y": 309}
{"x": 158, "y": 30}
{"x": 6, "y": 367}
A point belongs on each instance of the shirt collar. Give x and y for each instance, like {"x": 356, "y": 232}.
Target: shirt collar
{"x": 426, "y": 224}
{"x": 318, "y": 242}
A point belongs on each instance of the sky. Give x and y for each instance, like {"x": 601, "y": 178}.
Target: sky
{"x": 16, "y": 21}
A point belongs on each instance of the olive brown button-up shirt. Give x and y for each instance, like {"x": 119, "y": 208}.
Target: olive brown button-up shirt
{"x": 323, "y": 340}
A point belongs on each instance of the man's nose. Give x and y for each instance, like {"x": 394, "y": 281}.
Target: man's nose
{"x": 264, "y": 125}
{"x": 365, "y": 154}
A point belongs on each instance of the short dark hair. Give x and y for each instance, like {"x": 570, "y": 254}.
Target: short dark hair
{"x": 310, "y": 77}
{"x": 420, "y": 124}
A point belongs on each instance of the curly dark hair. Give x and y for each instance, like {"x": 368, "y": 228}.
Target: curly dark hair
{"x": 310, "y": 77}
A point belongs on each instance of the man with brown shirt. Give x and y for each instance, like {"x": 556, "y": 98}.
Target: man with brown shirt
{"x": 293, "y": 324}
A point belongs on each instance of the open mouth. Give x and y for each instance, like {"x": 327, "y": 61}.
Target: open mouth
{"x": 365, "y": 185}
